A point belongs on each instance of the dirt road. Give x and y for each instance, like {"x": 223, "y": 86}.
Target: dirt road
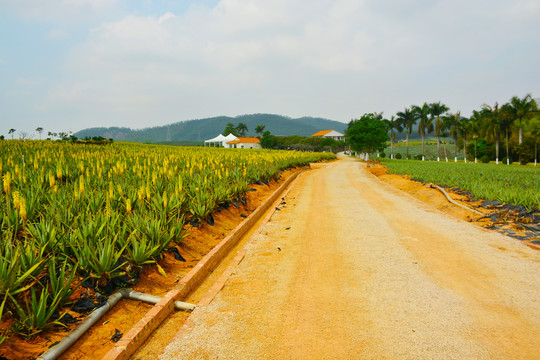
{"x": 353, "y": 268}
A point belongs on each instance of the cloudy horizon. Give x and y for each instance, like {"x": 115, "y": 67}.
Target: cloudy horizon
{"x": 67, "y": 65}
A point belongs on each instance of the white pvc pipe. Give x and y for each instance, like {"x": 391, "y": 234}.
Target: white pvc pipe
{"x": 55, "y": 351}
{"x": 152, "y": 299}
{"x": 452, "y": 200}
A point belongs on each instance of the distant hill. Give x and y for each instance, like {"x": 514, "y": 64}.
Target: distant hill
{"x": 203, "y": 129}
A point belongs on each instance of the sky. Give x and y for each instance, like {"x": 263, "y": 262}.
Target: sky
{"x": 66, "y": 65}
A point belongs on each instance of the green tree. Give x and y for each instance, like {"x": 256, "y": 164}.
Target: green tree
{"x": 242, "y": 129}
{"x": 464, "y": 128}
{"x": 230, "y": 129}
{"x": 367, "y": 134}
{"x": 519, "y": 109}
{"x": 11, "y": 131}
{"x": 426, "y": 122}
{"x": 393, "y": 124}
{"x": 491, "y": 118}
{"x": 259, "y": 129}
{"x": 39, "y": 130}
{"x": 535, "y": 132}
{"x": 436, "y": 110}
{"x": 475, "y": 130}
{"x": 452, "y": 124}
{"x": 268, "y": 140}
{"x": 407, "y": 118}
{"x": 507, "y": 119}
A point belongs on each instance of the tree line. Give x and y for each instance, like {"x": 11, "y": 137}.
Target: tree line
{"x": 517, "y": 122}
{"x": 61, "y": 136}
{"x": 291, "y": 142}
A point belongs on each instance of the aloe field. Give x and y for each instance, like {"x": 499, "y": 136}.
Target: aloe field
{"x": 515, "y": 184}
{"x": 78, "y": 211}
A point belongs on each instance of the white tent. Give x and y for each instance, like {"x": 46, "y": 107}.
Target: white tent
{"x": 220, "y": 139}
{"x": 228, "y": 138}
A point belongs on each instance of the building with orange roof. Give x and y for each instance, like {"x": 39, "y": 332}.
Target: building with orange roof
{"x": 336, "y": 135}
{"x": 245, "y": 143}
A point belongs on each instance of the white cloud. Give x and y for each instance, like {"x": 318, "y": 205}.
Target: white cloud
{"x": 55, "y": 34}
{"x": 333, "y": 58}
{"x": 57, "y": 10}
{"x": 28, "y": 82}
{"x": 166, "y": 17}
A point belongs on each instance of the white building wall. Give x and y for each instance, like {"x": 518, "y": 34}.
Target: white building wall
{"x": 248, "y": 146}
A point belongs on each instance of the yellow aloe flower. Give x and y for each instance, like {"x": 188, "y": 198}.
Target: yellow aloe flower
{"x": 108, "y": 209}
{"x": 22, "y": 209}
{"x": 7, "y": 183}
{"x": 16, "y": 200}
{"x": 81, "y": 184}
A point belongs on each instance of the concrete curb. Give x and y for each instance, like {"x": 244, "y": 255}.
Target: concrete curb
{"x": 136, "y": 336}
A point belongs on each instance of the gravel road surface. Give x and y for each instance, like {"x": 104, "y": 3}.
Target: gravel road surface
{"x": 351, "y": 268}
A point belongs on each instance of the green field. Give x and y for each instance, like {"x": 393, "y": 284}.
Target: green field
{"x": 430, "y": 149}
{"x": 515, "y": 184}
{"x": 73, "y": 212}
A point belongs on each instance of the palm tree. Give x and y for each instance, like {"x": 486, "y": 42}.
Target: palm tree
{"x": 507, "y": 120}
{"x": 426, "y": 122}
{"x": 452, "y": 124}
{"x": 491, "y": 118}
{"x": 230, "y": 129}
{"x": 464, "y": 126}
{"x": 393, "y": 124}
{"x": 436, "y": 110}
{"x": 535, "y": 132}
{"x": 520, "y": 109}
{"x": 407, "y": 118}
{"x": 259, "y": 129}
{"x": 11, "y": 131}
{"x": 474, "y": 129}
{"x": 242, "y": 128}
{"x": 39, "y": 130}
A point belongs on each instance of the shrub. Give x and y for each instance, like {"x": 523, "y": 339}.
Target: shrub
{"x": 505, "y": 158}
{"x": 382, "y": 154}
{"x": 485, "y": 159}
{"x": 418, "y": 157}
{"x": 398, "y": 156}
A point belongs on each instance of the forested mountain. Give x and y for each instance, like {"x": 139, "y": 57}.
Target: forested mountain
{"x": 203, "y": 129}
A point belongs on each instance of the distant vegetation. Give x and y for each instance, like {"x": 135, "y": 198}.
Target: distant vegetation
{"x": 302, "y": 143}
{"x": 514, "y": 125}
{"x": 196, "y": 131}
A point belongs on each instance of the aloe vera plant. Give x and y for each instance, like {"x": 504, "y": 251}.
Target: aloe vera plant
{"x": 94, "y": 205}
{"x": 13, "y": 280}
{"x": 518, "y": 185}
{"x": 35, "y": 315}
{"x": 61, "y": 279}
{"x": 99, "y": 257}
{"x": 44, "y": 237}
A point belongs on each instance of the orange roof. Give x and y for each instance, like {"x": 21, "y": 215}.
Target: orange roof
{"x": 322, "y": 133}
{"x": 246, "y": 140}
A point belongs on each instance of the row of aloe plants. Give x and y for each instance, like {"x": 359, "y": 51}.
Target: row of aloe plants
{"x": 71, "y": 212}
{"x": 517, "y": 185}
